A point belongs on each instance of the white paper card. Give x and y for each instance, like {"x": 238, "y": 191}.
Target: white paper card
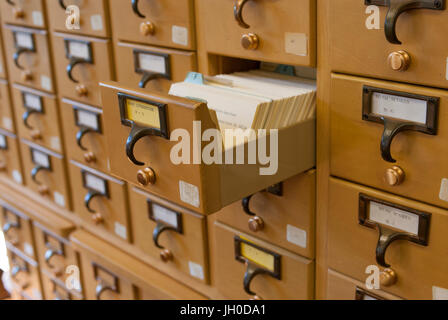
{"x": 296, "y": 236}
{"x": 55, "y": 143}
{"x": 165, "y": 215}
{"x": 59, "y": 199}
{"x": 87, "y": 119}
{"x": 95, "y": 183}
{"x": 3, "y": 143}
{"x": 33, "y": 101}
{"x": 446, "y": 68}
{"x": 45, "y": 83}
{"x": 41, "y": 159}
{"x": 443, "y": 195}
{"x": 180, "y": 35}
{"x": 196, "y": 270}
{"x": 121, "y": 231}
{"x": 24, "y": 40}
{"x": 296, "y": 43}
{"x": 17, "y": 176}
{"x": 28, "y": 249}
{"x": 393, "y": 217}
{"x": 38, "y": 19}
{"x": 1, "y": 67}
{"x": 189, "y": 194}
{"x": 397, "y": 107}
{"x": 152, "y": 63}
{"x": 79, "y": 50}
{"x": 439, "y": 293}
{"x": 7, "y": 123}
{"x": 96, "y": 21}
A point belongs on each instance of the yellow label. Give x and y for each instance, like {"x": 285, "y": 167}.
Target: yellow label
{"x": 261, "y": 258}
{"x": 143, "y": 113}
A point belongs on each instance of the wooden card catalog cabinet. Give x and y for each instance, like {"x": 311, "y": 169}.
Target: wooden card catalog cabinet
{"x": 24, "y": 12}
{"x": 170, "y": 23}
{"x": 139, "y": 124}
{"x": 397, "y": 40}
{"x": 10, "y": 163}
{"x": 386, "y": 135}
{"x": 151, "y": 67}
{"x": 272, "y": 31}
{"x": 28, "y": 57}
{"x": 6, "y": 109}
{"x": 403, "y": 238}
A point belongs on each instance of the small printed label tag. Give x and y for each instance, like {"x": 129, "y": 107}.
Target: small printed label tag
{"x": 41, "y": 159}
{"x": 59, "y": 199}
{"x": 24, "y": 40}
{"x": 79, "y": 50}
{"x": 38, "y": 19}
{"x": 55, "y": 143}
{"x": 439, "y": 293}
{"x": 196, "y": 270}
{"x": 398, "y": 107}
{"x": 32, "y": 101}
{"x": 7, "y": 123}
{"x": 121, "y": 231}
{"x": 296, "y": 43}
{"x": 88, "y": 119}
{"x": 96, "y": 21}
{"x": 180, "y": 35}
{"x": 394, "y": 217}
{"x": 296, "y": 236}
{"x": 152, "y": 63}
{"x": 17, "y": 177}
{"x": 443, "y": 195}
{"x": 45, "y": 83}
{"x": 95, "y": 183}
{"x": 28, "y": 249}
{"x": 165, "y": 215}
{"x": 3, "y": 142}
{"x": 189, "y": 194}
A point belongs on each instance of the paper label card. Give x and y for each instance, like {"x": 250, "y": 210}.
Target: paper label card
{"x": 3, "y": 142}
{"x": 41, "y": 159}
{"x": 397, "y": 107}
{"x": 95, "y": 183}
{"x": 32, "y": 101}
{"x": 87, "y": 119}
{"x": 24, "y": 40}
{"x": 393, "y": 217}
{"x": 152, "y": 63}
{"x": 165, "y": 215}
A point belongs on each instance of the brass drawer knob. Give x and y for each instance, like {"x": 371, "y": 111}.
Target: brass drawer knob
{"x": 3, "y": 166}
{"x": 395, "y": 176}
{"x": 18, "y": 13}
{"x": 250, "y": 41}
{"x": 89, "y": 157}
{"x": 146, "y": 177}
{"x": 147, "y": 28}
{"x": 399, "y": 60}
{"x": 166, "y": 255}
{"x": 97, "y": 218}
{"x": 81, "y": 90}
{"x": 36, "y": 135}
{"x": 256, "y": 224}
{"x": 26, "y": 76}
{"x": 43, "y": 190}
{"x": 388, "y": 277}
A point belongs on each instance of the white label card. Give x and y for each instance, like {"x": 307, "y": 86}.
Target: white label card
{"x": 189, "y": 194}
{"x": 393, "y": 217}
{"x": 25, "y": 40}
{"x": 296, "y": 43}
{"x": 165, "y": 215}
{"x": 95, "y": 183}
{"x": 180, "y": 35}
{"x": 59, "y": 199}
{"x": 96, "y": 22}
{"x": 152, "y": 63}
{"x": 38, "y": 19}
{"x": 3, "y": 143}
{"x": 41, "y": 159}
{"x": 79, "y": 50}
{"x": 46, "y": 83}
{"x": 398, "y": 107}
{"x": 439, "y": 293}
{"x": 7, "y": 123}
{"x": 296, "y": 236}
{"x": 88, "y": 119}
{"x": 17, "y": 176}
{"x": 33, "y": 101}
{"x": 196, "y": 270}
{"x": 28, "y": 249}
{"x": 121, "y": 231}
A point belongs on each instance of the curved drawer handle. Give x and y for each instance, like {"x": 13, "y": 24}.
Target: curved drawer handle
{"x": 386, "y": 237}
{"x": 35, "y": 171}
{"x": 246, "y": 206}
{"x": 160, "y": 228}
{"x": 26, "y": 116}
{"x": 238, "y": 13}
{"x": 16, "y": 270}
{"x": 136, "y": 10}
{"x": 149, "y": 76}
{"x": 50, "y": 254}
{"x": 391, "y": 129}
{"x": 17, "y": 55}
{"x": 137, "y": 133}
{"x": 251, "y": 272}
{"x": 10, "y": 2}
{"x": 9, "y": 226}
{"x": 88, "y": 200}
{"x": 74, "y": 62}
{"x": 62, "y": 4}
{"x": 80, "y": 135}
{"x": 101, "y": 288}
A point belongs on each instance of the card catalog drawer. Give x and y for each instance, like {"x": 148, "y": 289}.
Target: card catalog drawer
{"x": 81, "y": 63}
{"x": 84, "y": 134}
{"x": 26, "y": 13}
{"x": 169, "y": 23}
{"x": 89, "y": 18}
{"x": 55, "y": 289}
{"x": 10, "y": 164}
{"x": 247, "y": 267}
{"x": 37, "y": 117}
{"x": 151, "y": 67}
{"x": 17, "y": 229}
{"x": 175, "y": 235}
{"x": 396, "y": 159}
{"x": 100, "y": 200}
{"x": 190, "y": 183}
{"x": 283, "y": 214}
{"x": 273, "y": 31}
{"x": 24, "y": 274}
{"x": 28, "y": 57}
{"x": 408, "y": 268}
{"x": 341, "y": 287}
{"x": 417, "y": 54}
{"x": 45, "y": 173}
{"x": 6, "y": 107}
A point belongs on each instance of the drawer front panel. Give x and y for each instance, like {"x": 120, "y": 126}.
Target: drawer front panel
{"x": 6, "y": 107}
{"x": 24, "y": 12}
{"x": 10, "y": 161}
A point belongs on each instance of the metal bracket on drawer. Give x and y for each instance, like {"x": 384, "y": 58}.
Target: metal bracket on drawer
{"x": 397, "y": 7}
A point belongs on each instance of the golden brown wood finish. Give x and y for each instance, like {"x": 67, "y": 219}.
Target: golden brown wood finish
{"x": 3, "y": 73}
{"x": 52, "y": 185}
{"x": 55, "y": 289}
{"x": 45, "y": 125}
{"x": 188, "y": 249}
{"x": 418, "y": 268}
{"x": 297, "y": 273}
{"x": 355, "y": 144}
{"x": 180, "y": 64}
{"x": 294, "y": 212}
{"x": 94, "y": 19}
{"x": 88, "y": 74}
{"x": 173, "y": 22}
{"x": 29, "y": 13}
{"x": 355, "y": 49}
{"x": 111, "y": 211}
{"x": 6, "y": 107}
{"x": 10, "y": 160}
{"x": 283, "y": 37}
{"x": 37, "y": 68}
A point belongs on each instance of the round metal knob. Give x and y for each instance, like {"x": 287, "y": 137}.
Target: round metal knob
{"x": 36, "y": 135}
{"x": 256, "y": 298}
{"x": 394, "y": 176}
{"x": 43, "y": 190}
{"x": 147, "y": 28}
{"x": 399, "y": 60}
{"x": 256, "y": 224}
{"x": 146, "y": 177}
{"x": 26, "y": 76}
{"x": 250, "y": 41}
{"x": 97, "y": 218}
{"x": 81, "y": 90}
{"x": 89, "y": 157}
{"x": 3, "y": 166}
{"x": 18, "y": 13}
{"x": 388, "y": 277}
{"x": 166, "y": 255}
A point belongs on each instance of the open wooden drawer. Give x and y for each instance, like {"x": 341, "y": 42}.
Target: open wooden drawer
{"x": 139, "y": 125}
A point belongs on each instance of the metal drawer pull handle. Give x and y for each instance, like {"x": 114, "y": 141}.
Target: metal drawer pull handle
{"x": 9, "y": 226}
{"x": 160, "y": 228}
{"x": 10, "y": 2}
{"x": 391, "y": 129}
{"x": 50, "y": 254}
{"x": 17, "y": 55}
{"x": 386, "y": 237}
{"x": 26, "y": 116}
{"x": 81, "y": 133}
{"x": 238, "y": 12}
{"x": 136, "y": 10}
{"x": 88, "y": 200}
{"x": 101, "y": 288}
{"x": 74, "y": 62}
{"x": 62, "y": 4}
{"x": 16, "y": 270}
{"x": 137, "y": 133}
{"x": 35, "y": 171}
{"x": 149, "y": 76}
{"x": 251, "y": 272}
